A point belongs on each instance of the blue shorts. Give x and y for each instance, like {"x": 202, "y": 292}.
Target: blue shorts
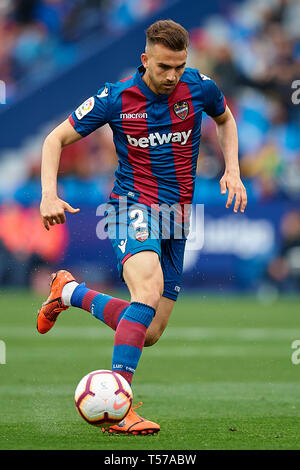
{"x": 133, "y": 227}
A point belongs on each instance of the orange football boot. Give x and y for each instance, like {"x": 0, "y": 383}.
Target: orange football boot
{"x": 54, "y": 305}
{"x": 133, "y": 424}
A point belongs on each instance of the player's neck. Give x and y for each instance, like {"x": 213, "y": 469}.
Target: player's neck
{"x": 146, "y": 79}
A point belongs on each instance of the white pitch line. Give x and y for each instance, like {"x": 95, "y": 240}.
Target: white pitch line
{"x": 100, "y": 331}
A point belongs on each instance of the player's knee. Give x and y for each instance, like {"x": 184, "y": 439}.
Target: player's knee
{"x": 143, "y": 275}
{"x": 148, "y": 292}
{"x": 151, "y": 295}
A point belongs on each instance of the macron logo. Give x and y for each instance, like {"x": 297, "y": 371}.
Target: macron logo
{"x": 122, "y": 245}
{"x": 159, "y": 139}
{"x": 134, "y": 116}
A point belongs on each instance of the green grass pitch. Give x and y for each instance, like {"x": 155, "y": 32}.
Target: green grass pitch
{"x": 221, "y": 377}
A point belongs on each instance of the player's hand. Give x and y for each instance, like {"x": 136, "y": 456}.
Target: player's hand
{"x": 53, "y": 209}
{"x": 232, "y": 182}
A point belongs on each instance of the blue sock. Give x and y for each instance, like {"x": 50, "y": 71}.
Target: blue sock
{"x": 104, "y": 307}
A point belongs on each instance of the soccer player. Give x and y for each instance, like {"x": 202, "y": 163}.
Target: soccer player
{"x": 155, "y": 116}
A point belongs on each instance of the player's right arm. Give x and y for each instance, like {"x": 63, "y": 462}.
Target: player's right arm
{"x": 89, "y": 116}
{"x": 53, "y": 208}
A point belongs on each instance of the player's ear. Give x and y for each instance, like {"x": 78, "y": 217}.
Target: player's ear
{"x": 144, "y": 59}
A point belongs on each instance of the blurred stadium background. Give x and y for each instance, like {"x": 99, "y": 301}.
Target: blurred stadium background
{"x": 56, "y": 53}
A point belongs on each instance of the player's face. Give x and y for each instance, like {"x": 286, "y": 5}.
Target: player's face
{"x": 164, "y": 68}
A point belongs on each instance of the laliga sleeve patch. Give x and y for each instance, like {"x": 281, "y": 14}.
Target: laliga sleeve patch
{"x": 85, "y": 108}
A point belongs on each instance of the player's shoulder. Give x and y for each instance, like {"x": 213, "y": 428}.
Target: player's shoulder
{"x": 113, "y": 90}
{"x": 190, "y": 75}
{"x": 193, "y": 75}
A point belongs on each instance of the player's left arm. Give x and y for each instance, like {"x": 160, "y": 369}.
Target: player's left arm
{"x": 231, "y": 180}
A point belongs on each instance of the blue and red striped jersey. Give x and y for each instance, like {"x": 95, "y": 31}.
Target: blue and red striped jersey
{"x": 156, "y": 137}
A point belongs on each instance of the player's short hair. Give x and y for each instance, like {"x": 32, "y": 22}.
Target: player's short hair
{"x": 169, "y": 33}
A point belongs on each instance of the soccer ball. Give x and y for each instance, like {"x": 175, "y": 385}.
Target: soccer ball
{"x": 103, "y": 397}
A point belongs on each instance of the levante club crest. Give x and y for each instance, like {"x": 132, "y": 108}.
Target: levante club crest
{"x": 141, "y": 234}
{"x": 181, "y": 109}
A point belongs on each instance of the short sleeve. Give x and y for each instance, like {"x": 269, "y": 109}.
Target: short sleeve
{"x": 93, "y": 113}
{"x": 214, "y": 100}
